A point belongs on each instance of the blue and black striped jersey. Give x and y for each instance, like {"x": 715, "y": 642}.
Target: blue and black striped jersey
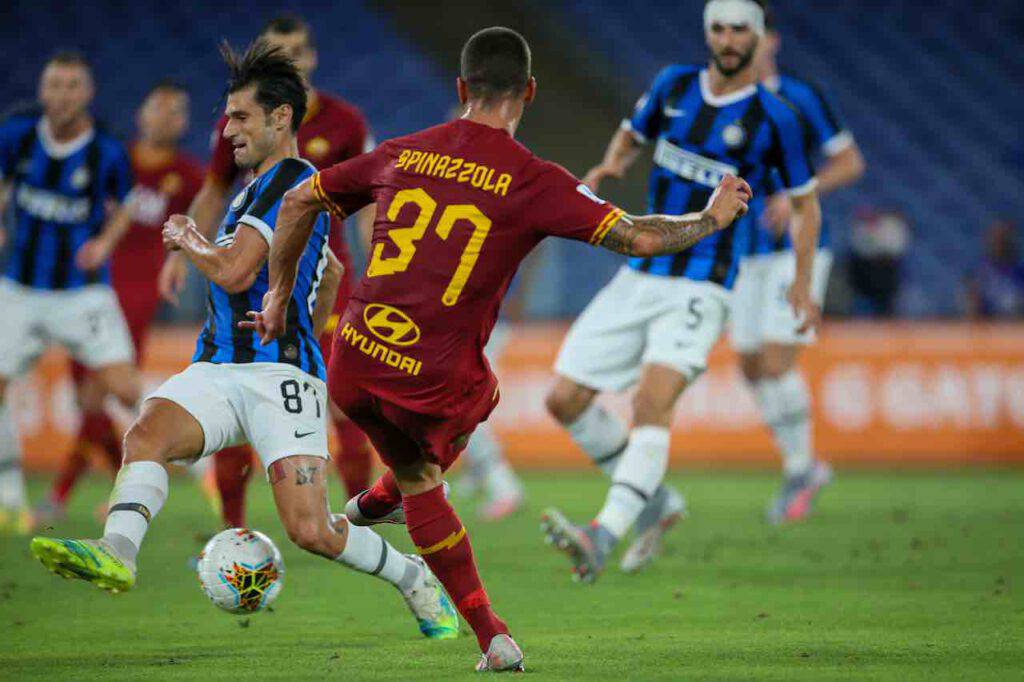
{"x": 59, "y": 195}
{"x": 221, "y": 341}
{"x": 700, "y": 138}
{"x": 826, "y": 136}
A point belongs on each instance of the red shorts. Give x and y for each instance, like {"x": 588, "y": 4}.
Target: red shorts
{"x": 402, "y": 436}
{"x": 139, "y": 312}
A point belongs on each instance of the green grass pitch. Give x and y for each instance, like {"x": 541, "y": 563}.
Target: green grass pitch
{"x": 898, "y": 577}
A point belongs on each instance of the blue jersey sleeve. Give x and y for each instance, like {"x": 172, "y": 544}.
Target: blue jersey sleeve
{"x": 262, "y": 213}
{"x": 791, "y": 156}
{"x": 647, "y": 115}
{"x": 119, "y": 178}
{"x": 824, "y": 123}
{"x": 7, "y": 142}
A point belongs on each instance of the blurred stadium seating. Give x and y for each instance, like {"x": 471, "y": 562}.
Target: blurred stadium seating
{"x": 925, "y": 91}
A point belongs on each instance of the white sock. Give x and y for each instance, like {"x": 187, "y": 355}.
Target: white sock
{"x": 488, "y": 466}
{"x": 785, "y": 404}
{"x": 640, "y": 471}
{"x": 140, "y": 491}
{"x": 600, "y": 434}
{"x": 369, "y": 553}
{"x": 12, "y": 481}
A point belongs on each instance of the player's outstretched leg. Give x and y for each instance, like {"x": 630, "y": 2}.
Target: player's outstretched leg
{"x": 604, "y": 438}
{"x": 299, "y": 484}
{"x": 443, "y": 543}
{"x": 15, "y": 515}
{"x": 164, "y": 432}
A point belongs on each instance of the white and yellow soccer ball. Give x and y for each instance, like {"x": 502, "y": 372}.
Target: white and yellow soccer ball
{"x": 241, "y": 570}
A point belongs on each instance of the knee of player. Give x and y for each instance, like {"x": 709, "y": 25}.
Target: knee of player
{"x": 650, "y": 410}
{"x": 143, "y": 443}
{"x": 309, "y": 534}
{"x": 566, "y": 401}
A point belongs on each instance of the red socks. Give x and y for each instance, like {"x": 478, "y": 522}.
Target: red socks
{"x": 96, "y": 431}
{"x": 233, "y": 467}
{"x": 382, "y": 497}
{"x": 443, "y": 543}
{"x": 355, "y": 461}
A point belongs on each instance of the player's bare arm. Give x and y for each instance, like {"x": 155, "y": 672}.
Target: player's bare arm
{"x": 804, "y": 229}
{"x": 654, "y": 235}
{"x": 233, "y": 268}
{"x": 330, "y": 281}
{"x": 622, "y": 152}
{"x": 97, "y": 250}
{"x": 207, "y": 206}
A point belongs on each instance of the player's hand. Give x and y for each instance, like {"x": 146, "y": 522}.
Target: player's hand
{"x": 729, "y": 201}
{"x": 175, "y": 229}
{"x": 171, "y": 280}
{"x": 598, "y": 173}
{"x": 807, "y": 311}
{"x": 269, "y": 323}
{"x": 777, "y": 214}
{"x": 93, "y": 253}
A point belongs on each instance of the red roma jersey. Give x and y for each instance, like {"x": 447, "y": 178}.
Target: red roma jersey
{"x": 163, "y": 185}
{"x": 458, "y": 207}
{"x": 332, "y": 131}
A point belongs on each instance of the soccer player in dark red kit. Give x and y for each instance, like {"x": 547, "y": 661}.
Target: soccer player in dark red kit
{"x": 333, "y": 130}
{"x": 459, "y": 206}
{"x": 166, "y": 180}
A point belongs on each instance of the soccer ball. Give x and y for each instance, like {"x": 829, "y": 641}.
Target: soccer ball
{"x": 241, "y": 570}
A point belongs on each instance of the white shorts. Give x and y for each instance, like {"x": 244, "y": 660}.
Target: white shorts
{"x": 640, "y": 319}
{"x": 88, "y": 322}
{"x": 277, "y": 408}
{"x": 760, "y": 312}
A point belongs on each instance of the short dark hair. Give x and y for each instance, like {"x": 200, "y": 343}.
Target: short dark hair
{"x": 68, "y": 57}
{"x": 289, "y": 23}
{"x": 167, "y": 85}
{"x": 495, "y": 63}
{"x": 276, "y": 79}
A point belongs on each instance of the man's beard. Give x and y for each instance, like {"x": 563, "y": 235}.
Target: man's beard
{"x": 744, "y": 62}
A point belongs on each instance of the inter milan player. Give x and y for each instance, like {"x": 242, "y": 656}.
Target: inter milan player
{"x": 654, "y": 324}
{"x": 237, "y": 390}
{"x": 67, "y": 181}
{"x": 458, "y": 208}
{"x": 333, "y": 130}
{"x": 764, "y": 329}
{"x": 166, "y": 180}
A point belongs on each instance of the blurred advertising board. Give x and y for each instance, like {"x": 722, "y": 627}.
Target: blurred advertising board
{"x": 890, "y": 394}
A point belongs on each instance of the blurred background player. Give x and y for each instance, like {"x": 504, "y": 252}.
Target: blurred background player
{"x": 408, "y": 365}
{"x": 764, "y": 328}
{"x": 166, "y": 180}
{"x": 67, "y": 181}
{"x": 236, "y": 390}
{"x": 333, "y": 130}
{"x": 655, "y": 323}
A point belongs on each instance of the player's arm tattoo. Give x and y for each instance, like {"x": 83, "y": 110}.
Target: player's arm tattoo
{"x": 655, "y": 235}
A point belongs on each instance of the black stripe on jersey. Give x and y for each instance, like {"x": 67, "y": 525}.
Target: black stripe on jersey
{"x": 750, "y": 122}
{"x": 242, "y": 340}
{"x": 775, "y": 156}
{"x": 697, "y": 200}
{"x": 702, "y": 125}
{"x": 310, "y": 357}
{"x": 826, "y": 108}
{"x": 92, "y": 162}
{"x": 678, "y": 90}
{"x": 24, "y": 151}
{"x": 289, "y": 346}
{"x": 287, "y": 173}
{"x": 51, "y": 180}
{"x": 209, "y": 347}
